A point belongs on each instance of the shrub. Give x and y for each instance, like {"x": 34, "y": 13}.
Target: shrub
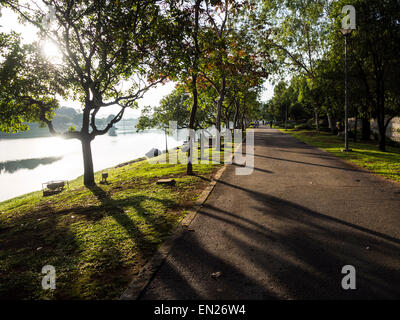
{"x": 310, "y": 122}
{"x": 303, "y": 126}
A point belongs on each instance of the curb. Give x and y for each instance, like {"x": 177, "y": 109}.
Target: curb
{"x": 139, "y": 284}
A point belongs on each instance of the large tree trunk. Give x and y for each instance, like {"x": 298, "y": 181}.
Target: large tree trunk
{"x": 382, "y": 130}
{"x": 219, "y": 113}
{"x": 366, "y": 128}
{"x": 86, "y": 139}
{"x": 88, "y": 175}
{"x": 189, "y": 169}
{"x": 381, "y": 119}
{"x": 235, "y": 117}
{"x": 242, "y": 122}
{"x": 219, "y": 105}
{"x": 382, "y": 138}
{"x": 286, "y": 116}
{"x": 382, "y": 133}
{"x": 331, "y": 123}
{"x": 355, "y": 129}
{"x": 316, "y": 119}
{"x": 328, "y": 115}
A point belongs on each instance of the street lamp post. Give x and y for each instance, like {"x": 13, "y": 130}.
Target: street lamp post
{"x": 346, "y": 33}
{"x": 286, "y": 116}
{"x": 348, "y": 25}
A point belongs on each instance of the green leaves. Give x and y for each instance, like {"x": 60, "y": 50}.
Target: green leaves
{"x": 27, "y": 87}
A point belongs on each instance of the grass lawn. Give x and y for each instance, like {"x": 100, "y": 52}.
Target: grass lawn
{"x": 364, "y": 154}
{"x": 97, "y": 238}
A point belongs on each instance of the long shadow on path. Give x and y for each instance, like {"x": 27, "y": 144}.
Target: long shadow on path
{"x": 267, "y": 247}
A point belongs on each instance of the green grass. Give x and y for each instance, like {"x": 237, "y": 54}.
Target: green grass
{"x": 97, "y": 239}
{"x": 364, "y": 154}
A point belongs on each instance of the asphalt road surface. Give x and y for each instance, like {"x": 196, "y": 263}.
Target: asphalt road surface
{"x": 287, "y": 230}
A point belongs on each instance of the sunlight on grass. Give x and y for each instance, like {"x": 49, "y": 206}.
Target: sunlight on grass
{"x": 97, "y": 238}
{"x": 364, "y": 154}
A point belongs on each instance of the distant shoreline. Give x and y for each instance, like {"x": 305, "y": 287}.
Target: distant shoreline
{"x": 32, "y": 134}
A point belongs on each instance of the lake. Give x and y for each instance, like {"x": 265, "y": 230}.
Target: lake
{"x": 27, "y": 163}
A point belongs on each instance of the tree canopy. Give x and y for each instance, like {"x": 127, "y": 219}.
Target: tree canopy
{"x": 219, "y": 53}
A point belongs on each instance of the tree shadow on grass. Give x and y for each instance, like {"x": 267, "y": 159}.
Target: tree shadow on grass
{"x": 27, "y": 247}
{"x": 379, "y": 155}
{"x": 116, "y": 209}
{"x": 89, "y": 263}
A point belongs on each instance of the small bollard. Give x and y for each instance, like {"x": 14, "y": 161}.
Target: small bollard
{"x": 104, "y": 177}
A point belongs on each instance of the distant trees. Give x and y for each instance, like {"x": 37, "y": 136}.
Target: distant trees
{"x": 298, "y": 38}
{"x": 311, "y": 47}
{"x": 174, "y": 107}
{"x": 217, "y": 67}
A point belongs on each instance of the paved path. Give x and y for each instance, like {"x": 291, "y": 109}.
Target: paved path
{"x": 286, "y": 231}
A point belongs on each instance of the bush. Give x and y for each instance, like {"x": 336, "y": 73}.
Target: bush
{"x": 310, "y": 122}
{"x": 303, "y": 126}
{"x": 389, "y": 142}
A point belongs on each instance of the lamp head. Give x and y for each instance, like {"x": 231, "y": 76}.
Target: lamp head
{"x": 346, "y": 32}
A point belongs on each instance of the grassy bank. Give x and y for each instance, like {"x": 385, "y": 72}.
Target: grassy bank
{"x": 364, "y": 154}
{"x": 97, "y": 238}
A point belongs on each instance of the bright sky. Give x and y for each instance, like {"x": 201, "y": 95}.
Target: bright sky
{"x": 9, "y": 21}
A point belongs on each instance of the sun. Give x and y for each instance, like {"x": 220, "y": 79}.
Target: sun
{"x": 52, "y": 52}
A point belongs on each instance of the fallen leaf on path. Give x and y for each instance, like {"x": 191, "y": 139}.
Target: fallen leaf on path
{"x": 216, "y": 275}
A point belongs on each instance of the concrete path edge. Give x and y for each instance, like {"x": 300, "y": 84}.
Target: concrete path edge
{"x": 139, "y": 284}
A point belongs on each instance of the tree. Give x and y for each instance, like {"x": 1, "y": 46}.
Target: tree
{"x": 25, "y": 96}
{"x": 173, "y": 107}
{"x": 216, "y": 66}
{"x": 374, "y": 48}
{"x": 184, "y": 53}
{"x": 112, "y": 53}
{"x": 194, "y": 72}
{"x": 248, "y": 67}
{"x": 299, "y": 35}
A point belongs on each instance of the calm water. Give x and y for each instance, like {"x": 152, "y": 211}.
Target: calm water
{"x": 27, "y": 163}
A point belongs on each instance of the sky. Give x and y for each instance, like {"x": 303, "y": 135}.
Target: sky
{"x": 9, "y": 21}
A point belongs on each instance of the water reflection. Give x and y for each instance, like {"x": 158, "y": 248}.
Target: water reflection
{"x": 13, "y": 166}
{"x": 61, "y": 159}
